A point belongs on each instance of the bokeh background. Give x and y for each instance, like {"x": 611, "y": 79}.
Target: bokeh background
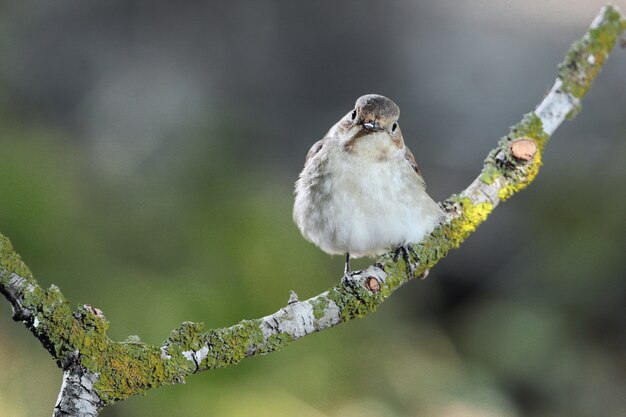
{"x": 148, "y": 151}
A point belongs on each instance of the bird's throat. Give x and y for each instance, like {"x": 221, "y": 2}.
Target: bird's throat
{"x": 371, "y": 145}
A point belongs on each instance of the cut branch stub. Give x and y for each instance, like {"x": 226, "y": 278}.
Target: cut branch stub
{"x": 523, "y": 149}
{"x": 372, "y": 284}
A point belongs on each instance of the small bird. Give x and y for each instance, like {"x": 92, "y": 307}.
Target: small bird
{"x": 360, "y": 192}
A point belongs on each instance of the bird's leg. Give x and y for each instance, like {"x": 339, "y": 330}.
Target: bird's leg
{"x": 405, "y": 250}
{"x": 346, "y": 270}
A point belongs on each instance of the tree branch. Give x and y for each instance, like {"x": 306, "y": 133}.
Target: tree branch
{"x": 99, "y": 372}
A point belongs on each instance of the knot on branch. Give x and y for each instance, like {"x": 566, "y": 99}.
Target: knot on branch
{"x": 362, "y": 291}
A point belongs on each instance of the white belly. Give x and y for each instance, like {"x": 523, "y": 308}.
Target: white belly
{"x": 363, "y": 208}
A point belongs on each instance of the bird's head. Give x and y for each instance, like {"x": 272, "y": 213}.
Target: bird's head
{"x": 371, "y": 126}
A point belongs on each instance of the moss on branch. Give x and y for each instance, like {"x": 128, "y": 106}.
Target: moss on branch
{"x": 586, "y": 57}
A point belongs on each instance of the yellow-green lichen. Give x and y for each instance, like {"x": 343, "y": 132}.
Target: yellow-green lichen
{"x": 133, "y": 367}
{"x": 128, "y": 369}
{"x": 572, "y": 113}
{"x": 276, "y": 342}
{"x": 470, "y": 215}
{"x": 10, "y": 262}
{"x": 529, "y": 127}
{"x": 396, "y": 276}
{"x": 431, "y": 250}
{"x": 489, "y": 173}
{"x": 473, "y": 215}
{"x": 520, "y": 181}
{"x": 517, "y": 174}
{"x": 186, "y": 337}
{"x": 231, "y": 345}
{"x": 354, "y": 300}
{"x": 585, "y": 58}
{"x": 501, "y": 163}
{"x": 319, "y": 305}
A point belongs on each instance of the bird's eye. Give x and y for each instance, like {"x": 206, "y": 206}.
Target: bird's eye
{"x": 353, "y": 115}
{"x": 394, "y": 127}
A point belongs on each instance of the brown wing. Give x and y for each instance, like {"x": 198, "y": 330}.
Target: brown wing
{"x": 410, "y": 158}
{"x": 317, "y": 146}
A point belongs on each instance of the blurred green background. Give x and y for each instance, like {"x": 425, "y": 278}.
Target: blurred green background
{"x": 148, "y": 152}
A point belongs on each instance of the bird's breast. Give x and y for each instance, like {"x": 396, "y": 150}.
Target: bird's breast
{"x": 351, "y": 202}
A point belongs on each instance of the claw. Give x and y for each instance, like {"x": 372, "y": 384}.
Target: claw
{"x": 405, "y": 250}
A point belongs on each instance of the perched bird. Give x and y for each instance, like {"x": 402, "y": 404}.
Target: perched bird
{"x": 360, "y": 192}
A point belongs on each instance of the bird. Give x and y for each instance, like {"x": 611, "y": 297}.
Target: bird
{"x": 361, "y": 193}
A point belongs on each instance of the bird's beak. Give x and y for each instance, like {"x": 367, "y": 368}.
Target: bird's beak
{"x": 373, "y": 125}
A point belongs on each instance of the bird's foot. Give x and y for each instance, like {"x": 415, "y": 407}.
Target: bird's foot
{"x": 406, "y": 251}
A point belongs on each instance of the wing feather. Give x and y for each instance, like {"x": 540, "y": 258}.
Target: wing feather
{"x": 317, "y": 146}
{"x": 410, "y": 158}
